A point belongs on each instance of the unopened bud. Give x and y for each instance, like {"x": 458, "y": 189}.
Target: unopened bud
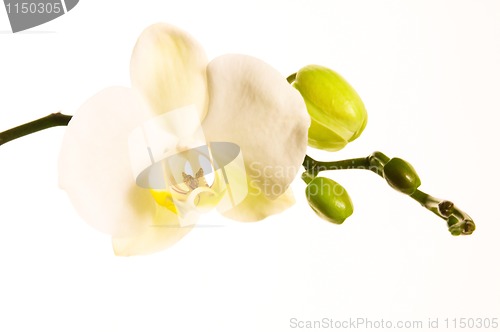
{"x": 401, "y": 176}
{"x": 329, "y": 200}
{"x": 338, "y": 115}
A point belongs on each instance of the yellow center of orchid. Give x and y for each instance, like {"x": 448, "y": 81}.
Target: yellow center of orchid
{"x": 188, "y": 191}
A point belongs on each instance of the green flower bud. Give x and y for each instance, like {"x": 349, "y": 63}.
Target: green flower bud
{"x": 329, "y": 200}
{"x": 401, "y": 176}
{"x": 338, "y": 115}
{"x": 460, "y": 226}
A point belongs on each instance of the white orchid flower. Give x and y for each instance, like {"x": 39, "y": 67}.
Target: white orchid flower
{"x": 179, "y": 102}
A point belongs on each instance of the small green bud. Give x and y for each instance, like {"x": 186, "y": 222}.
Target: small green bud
{"x": 460, "y": 226}
{"x": 401, "y": 176}
{"x": 445, "y": 208}
{"x": 338, "y": 115}
{"x": 329, "y": 200}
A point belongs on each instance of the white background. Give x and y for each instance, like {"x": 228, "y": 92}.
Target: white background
{"x": 429, "y": 74}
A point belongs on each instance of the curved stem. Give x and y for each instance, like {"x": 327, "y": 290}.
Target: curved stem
{"x": 52, "y": 120}
{"x": 458, "y": 221}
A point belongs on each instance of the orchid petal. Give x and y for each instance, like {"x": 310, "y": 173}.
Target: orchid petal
{"x": 169, "y": 68}
{"x": 165, "y": 231}
{"x": 94, "y": 164}
{"x": 257, "y": 206}
{"x": 252, "y": 105}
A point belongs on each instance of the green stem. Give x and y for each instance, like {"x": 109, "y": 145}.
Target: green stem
{"x": 52, "y": 120}
{"x": 459, "y": 223}
{"x": 314, "y": 166}
{"x": 307, "y": 177}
